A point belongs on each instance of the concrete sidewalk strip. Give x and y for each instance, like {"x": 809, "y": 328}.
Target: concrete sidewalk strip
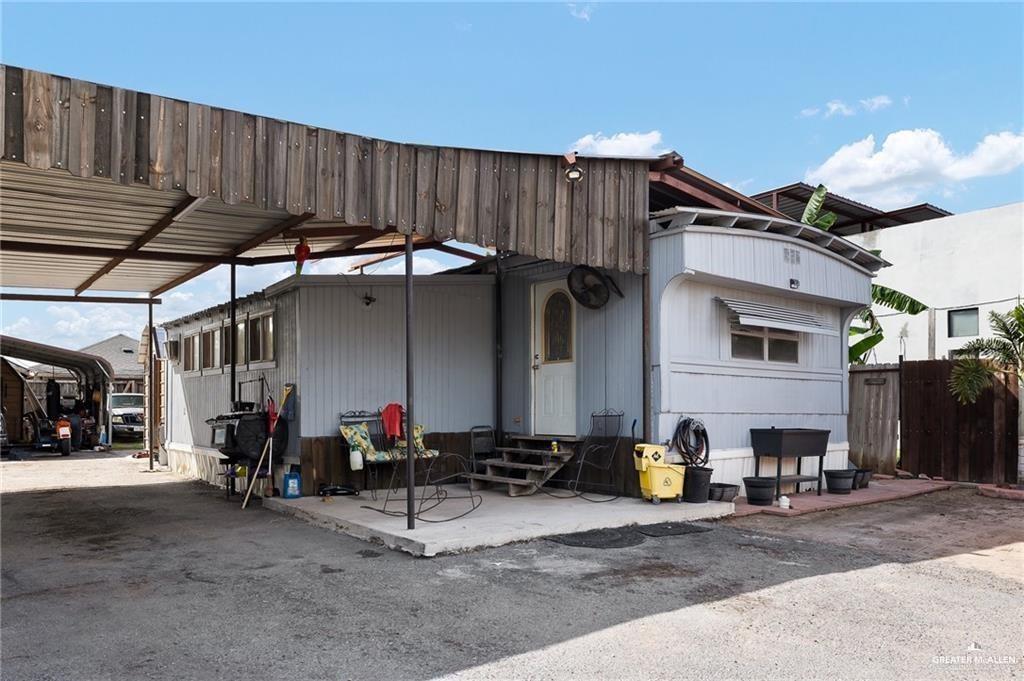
{"x": 499, "y": 520}
{"x": 876, "y": 492}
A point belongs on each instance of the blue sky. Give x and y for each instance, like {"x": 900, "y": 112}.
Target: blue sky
{"x": 890, "y": 104}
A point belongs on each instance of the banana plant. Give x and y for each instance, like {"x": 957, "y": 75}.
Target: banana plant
{"x": 812, "y": 211}
{"x": 982, "y": 358}
{"x": 868, "y": 333}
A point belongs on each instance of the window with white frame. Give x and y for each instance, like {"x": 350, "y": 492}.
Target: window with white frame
{"x": 210, "y": 349}
{"x": 963, "y": 322}
{"x": 761, "y": 344}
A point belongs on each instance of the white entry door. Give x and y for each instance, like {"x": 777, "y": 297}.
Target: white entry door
{"x": 554, "y": 359}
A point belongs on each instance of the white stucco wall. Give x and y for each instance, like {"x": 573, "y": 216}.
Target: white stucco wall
{"x": 971, "y": 260}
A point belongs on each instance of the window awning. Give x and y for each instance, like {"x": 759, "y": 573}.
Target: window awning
{"x": 774, "y": 317}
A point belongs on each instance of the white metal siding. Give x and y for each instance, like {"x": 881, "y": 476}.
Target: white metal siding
{"x": 196, "y": 396}
{"x": 699, "y": 377}
{"x": 763, "y": 260}
{"x": 352, "y": 356}
{"x": 609, "y": 350}
{"x": 693, "y": 373}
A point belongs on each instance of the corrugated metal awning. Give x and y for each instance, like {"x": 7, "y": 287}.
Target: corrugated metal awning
{"x": 774, "y": 317}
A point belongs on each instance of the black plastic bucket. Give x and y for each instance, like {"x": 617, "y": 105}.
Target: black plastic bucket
{"x": 722, "y": 491}
{"x": 840, "y": 480}
{"x": 760, "y": 491}
{"x": 862, "y": 478}
{"x": 696, "y": 483}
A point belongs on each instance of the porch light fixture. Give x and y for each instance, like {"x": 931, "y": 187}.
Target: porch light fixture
{"x": 573, "y": 173}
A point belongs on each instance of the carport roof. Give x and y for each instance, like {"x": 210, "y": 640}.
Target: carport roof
{"x": 106, "y": 188}
{"x": 93, "y": 368}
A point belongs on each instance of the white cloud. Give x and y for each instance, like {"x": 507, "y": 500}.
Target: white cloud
{"x": 18, "y": 328}
{"x": 421, "y": 264}
{"x": 876, "y": 103}
{"x": 645, "y": 144}
{"x": 911, "y": 163}
{"x": 837, "y": 106}
{"x": 583, "y": 12}
{"x": 331, "y": 266}
{"x": 995, "y": 155}
{"x": 739, "y": 185}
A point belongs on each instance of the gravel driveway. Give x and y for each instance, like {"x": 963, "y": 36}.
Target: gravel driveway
{"x": 111, "y": 573}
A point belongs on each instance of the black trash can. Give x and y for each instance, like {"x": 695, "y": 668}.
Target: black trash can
{"x": 696, "y": 483}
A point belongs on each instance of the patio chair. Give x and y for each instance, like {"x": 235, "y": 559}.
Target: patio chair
{"x": 481, "y": 446}
{"x": 386, "y": 451}
{"x": 597, "y": 451}
{"x": 375, "y": 428}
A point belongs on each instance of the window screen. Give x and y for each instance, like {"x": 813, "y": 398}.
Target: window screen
{"x": 747, "y": 347}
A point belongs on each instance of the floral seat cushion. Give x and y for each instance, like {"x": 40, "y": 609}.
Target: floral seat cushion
{"x": 358, "y": 439}
{"x": 421, "y": 449}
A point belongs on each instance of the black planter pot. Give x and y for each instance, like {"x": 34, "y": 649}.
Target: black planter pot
{"x": 863, "y": 477}
{"x": 760, "y": 491}
{"x": 720, "y": 491}
{"x": 696, "y": 482}
{"x": 840, "y": 480}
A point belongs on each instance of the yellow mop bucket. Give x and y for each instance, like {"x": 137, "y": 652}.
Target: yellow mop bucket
{"x": 658, "y": 479}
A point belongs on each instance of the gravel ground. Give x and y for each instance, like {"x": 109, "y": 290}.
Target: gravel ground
{"x": 117, "y": 574}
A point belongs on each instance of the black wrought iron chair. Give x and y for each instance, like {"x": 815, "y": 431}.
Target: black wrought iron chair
{"x": 375, "y": 428}
{"x": 481, "y": 446}
{"x": 597, "y": 451}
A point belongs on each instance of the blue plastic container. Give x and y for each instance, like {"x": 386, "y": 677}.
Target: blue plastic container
{"x": 292, "y": 486}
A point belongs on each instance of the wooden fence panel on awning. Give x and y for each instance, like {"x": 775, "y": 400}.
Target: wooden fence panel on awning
{"x": 520, "y": 202}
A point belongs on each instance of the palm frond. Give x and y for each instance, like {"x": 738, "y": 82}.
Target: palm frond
{"x": 969, "y": 378}
{"x": 896, "y": 300}
{"x": 814, "y": 204}
{"x": 995, "y": 349}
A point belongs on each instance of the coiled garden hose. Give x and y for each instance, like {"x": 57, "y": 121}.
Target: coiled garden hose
{"x": 690, "y": 439}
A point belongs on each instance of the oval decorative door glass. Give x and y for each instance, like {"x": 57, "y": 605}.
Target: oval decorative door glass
{"x": 558, "y": 328}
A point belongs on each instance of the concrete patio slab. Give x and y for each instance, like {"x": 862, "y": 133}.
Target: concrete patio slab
{"x": 877, "y": 492}
{"x": 500, "y": 519}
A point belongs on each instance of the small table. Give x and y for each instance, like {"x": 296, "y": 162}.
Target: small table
{"x": 781, "y": 479}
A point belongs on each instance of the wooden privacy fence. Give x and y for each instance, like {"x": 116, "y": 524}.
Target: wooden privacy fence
{"x": 941, "y": 437}
{"x": 873, "y": 421}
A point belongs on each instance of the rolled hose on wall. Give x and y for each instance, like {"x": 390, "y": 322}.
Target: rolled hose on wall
{"x": 690, "y": 439}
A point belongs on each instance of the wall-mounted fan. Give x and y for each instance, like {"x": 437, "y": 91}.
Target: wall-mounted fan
{"x": 590, "y": 287}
